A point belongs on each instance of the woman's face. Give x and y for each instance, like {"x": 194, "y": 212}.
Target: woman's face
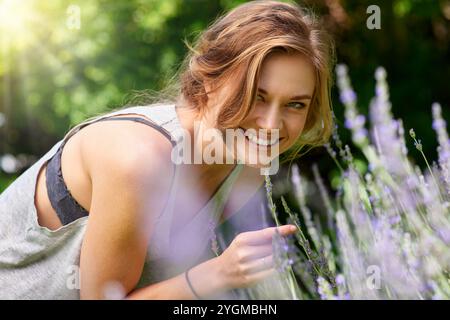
{"x": 284, "y": 93}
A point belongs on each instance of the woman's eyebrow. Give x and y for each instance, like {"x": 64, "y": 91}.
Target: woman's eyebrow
{"x": 299, "y": 97}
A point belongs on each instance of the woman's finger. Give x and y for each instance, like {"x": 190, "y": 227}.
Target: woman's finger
{"x": 264, "y": 236}
{"x": 256, "y": 252}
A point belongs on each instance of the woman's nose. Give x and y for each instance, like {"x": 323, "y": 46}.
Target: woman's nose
{"x": 271, "y": 117}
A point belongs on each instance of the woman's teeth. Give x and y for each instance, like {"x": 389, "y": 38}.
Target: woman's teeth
{"x": 259, "y": 141}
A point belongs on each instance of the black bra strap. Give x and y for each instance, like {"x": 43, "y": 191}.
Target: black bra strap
{"x": 62, "y": 201}
{"x": 137, "y": 119}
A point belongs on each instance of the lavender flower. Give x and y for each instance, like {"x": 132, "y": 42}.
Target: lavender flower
{"x": 353, "y": 120}
{"x": 387, "y": 229}
{"x": 444, "y": 144}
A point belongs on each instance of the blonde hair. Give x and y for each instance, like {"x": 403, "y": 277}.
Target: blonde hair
{"x": 231, "y": 51}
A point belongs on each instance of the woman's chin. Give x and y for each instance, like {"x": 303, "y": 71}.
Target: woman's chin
{"x": 255, "y": 162}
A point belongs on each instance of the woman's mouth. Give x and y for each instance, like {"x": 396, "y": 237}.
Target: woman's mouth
{"x": 253, "y": 138}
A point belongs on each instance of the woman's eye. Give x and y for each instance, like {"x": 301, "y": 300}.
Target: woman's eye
{"x": 297, "y": 105}
{"x": 259, "y": 97}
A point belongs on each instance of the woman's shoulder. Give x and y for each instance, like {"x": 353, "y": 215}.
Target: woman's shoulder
{"x": 125, "y": 147}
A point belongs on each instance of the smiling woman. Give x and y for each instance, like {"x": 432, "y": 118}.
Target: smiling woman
{"x": 108, "y": 201}
{"x": 228, "y": 60}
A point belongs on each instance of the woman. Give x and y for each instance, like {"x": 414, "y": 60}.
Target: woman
{"x": 115, "y": 209}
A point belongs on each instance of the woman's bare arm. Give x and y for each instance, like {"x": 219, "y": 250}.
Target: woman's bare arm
{"x": 206, "y": 278}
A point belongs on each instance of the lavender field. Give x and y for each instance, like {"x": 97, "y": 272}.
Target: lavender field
{"x": 387, "y": 233}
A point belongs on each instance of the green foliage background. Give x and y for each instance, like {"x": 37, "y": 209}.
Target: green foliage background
{"x": 53, "y": 77}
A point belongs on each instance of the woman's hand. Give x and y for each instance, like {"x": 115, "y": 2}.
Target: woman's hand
{"x": 249, "y": 258}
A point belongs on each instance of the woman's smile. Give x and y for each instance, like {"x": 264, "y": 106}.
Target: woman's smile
{"x": 262, "y": 139}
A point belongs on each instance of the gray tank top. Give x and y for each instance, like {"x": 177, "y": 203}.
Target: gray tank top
{"x": 39, "y": 263}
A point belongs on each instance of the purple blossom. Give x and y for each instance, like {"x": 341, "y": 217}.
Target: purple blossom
{"x": 439, "y": 124}
{"x": 380, "y": 73}
{"x": 348, "y": 96}
{"x": 393, "y": 218}
{"x": 340, "y": 280}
